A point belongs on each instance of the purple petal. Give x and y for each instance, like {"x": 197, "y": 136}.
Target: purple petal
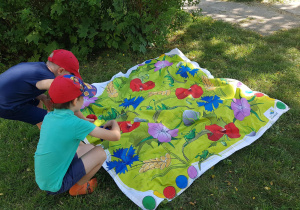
{"x": 164, "y": 137}
{"x": 245, "y": 103}
{"x": 239, "y": 115}
{"x": 161, "y": 64}
{"x": 246, "y": 111}
{"x": 173, "y": 132}
{"x": 156, "y": 69}
{"x": 154, "y": 129}
{"x": 87, "y": 101}
{"x": 241, "y": 108}
{"x": 234, "y": 105}
{"x": 239, "y": 84}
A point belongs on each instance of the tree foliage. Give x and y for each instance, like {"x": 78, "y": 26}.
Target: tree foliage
{"x": 31, "y": 29}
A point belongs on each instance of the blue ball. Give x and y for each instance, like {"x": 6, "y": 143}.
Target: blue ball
{"x": 181, "y": 181}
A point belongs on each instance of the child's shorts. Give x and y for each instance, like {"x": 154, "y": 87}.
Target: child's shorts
{"x": 74, "y": 173}
{"x": 28, "y": 112}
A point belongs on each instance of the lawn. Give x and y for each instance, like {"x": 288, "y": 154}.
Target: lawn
{"x": 264, "y": 175}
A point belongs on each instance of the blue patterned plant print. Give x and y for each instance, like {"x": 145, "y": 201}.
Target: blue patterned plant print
{"x": 210, "y": 102}
{"x": 127, "y": 158}
{"x": 184, "y": 69}
{"x": 133, "y": 102}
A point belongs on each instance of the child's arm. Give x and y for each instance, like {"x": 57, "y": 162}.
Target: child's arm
{"x": 113, "y": 134}
{"x": 44, "y": 84}
{"x": 81, "y": 116}
{"x": 46, "y": 101}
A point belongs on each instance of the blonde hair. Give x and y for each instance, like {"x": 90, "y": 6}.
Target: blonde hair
{"x": 53, "y": 66}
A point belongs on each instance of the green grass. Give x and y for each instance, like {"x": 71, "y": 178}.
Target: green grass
{"x": 264, "y": 175}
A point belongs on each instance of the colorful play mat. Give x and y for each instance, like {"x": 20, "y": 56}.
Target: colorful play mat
{"x": 176, "y": 122}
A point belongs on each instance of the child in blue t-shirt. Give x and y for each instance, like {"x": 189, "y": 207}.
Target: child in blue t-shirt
{"x": 22, "y": 87}
{"x": 62, "y": 161}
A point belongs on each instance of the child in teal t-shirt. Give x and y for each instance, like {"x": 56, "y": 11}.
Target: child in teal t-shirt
{"x": 62, "y": 161}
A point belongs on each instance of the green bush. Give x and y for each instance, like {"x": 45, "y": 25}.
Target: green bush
{"x": 31, "y": 29}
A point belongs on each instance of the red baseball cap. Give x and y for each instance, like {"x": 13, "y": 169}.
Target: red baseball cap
{"x": 68, "y": 87}
{"x": 67, "y": 60}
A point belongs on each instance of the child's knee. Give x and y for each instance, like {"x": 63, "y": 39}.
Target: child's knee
{"x": 101, "y": 152}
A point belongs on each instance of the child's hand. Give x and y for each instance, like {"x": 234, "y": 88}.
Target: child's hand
{"x": 90, "y": 120}
{"x": 48, "y": 104}
{"x": 112, "y": 135}
{"x": 109, "y": 124}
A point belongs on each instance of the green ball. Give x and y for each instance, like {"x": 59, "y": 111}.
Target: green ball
{"x": 149, "y": 202}
{"x": 280, "y": 105}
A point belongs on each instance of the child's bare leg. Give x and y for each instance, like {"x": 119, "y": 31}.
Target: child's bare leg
{"x": 39, "y": 125}
{"x": 40, "y": 105}
{"x": 83, "y": 148}
{"x": 92, "y": 160}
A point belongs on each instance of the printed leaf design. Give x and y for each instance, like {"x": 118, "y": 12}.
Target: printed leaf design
{"x": 112, "y": 92}
{"x": 161, "y": 163}
{"x": 171, "y": 80}
{"x": 156, "y": 114}
{"x": 193, "y": 139}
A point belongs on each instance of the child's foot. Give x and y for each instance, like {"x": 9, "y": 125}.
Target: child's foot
{"x": 84, "y": 189}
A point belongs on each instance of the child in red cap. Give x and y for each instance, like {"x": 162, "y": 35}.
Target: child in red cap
{"x": 22, "y": 87}
{"x": 62, "y": 161}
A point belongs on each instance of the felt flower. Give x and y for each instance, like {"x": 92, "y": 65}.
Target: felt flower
{"x": 195, "y": 90}
{"x": 184, "y": 69}
{"x": 161, "y": 132}
{"x": 88, "y": 101}
{"x": 161, "y": 64}
{"x": 126, "y": 126}
{"x": 137, "y": 85}
{"x": 132, "y": 102}
{"x": 218, "y": 132}
{"x": 241, "y": 108}
{"x": 126, "y": 156}
{"x": 210, "y": 101}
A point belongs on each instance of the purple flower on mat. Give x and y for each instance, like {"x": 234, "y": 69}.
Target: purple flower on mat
{"x": 241, "y": 108}
{"x": 161, "y": 132}
{"x": 88, "y": 101}
{"x": 161, "y": 64}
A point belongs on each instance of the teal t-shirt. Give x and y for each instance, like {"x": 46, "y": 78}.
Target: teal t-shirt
{"x": 60, "y": 136}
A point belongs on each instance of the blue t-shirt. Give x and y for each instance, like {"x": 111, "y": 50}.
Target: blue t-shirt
{"x": 18, "y": 83}
{"x": 60, "y": 136}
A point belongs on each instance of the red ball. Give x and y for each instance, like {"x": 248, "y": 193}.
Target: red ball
{"x": 169, "y": 192}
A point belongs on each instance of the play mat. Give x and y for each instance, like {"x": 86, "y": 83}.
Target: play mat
{"x": 176, "y": 122}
